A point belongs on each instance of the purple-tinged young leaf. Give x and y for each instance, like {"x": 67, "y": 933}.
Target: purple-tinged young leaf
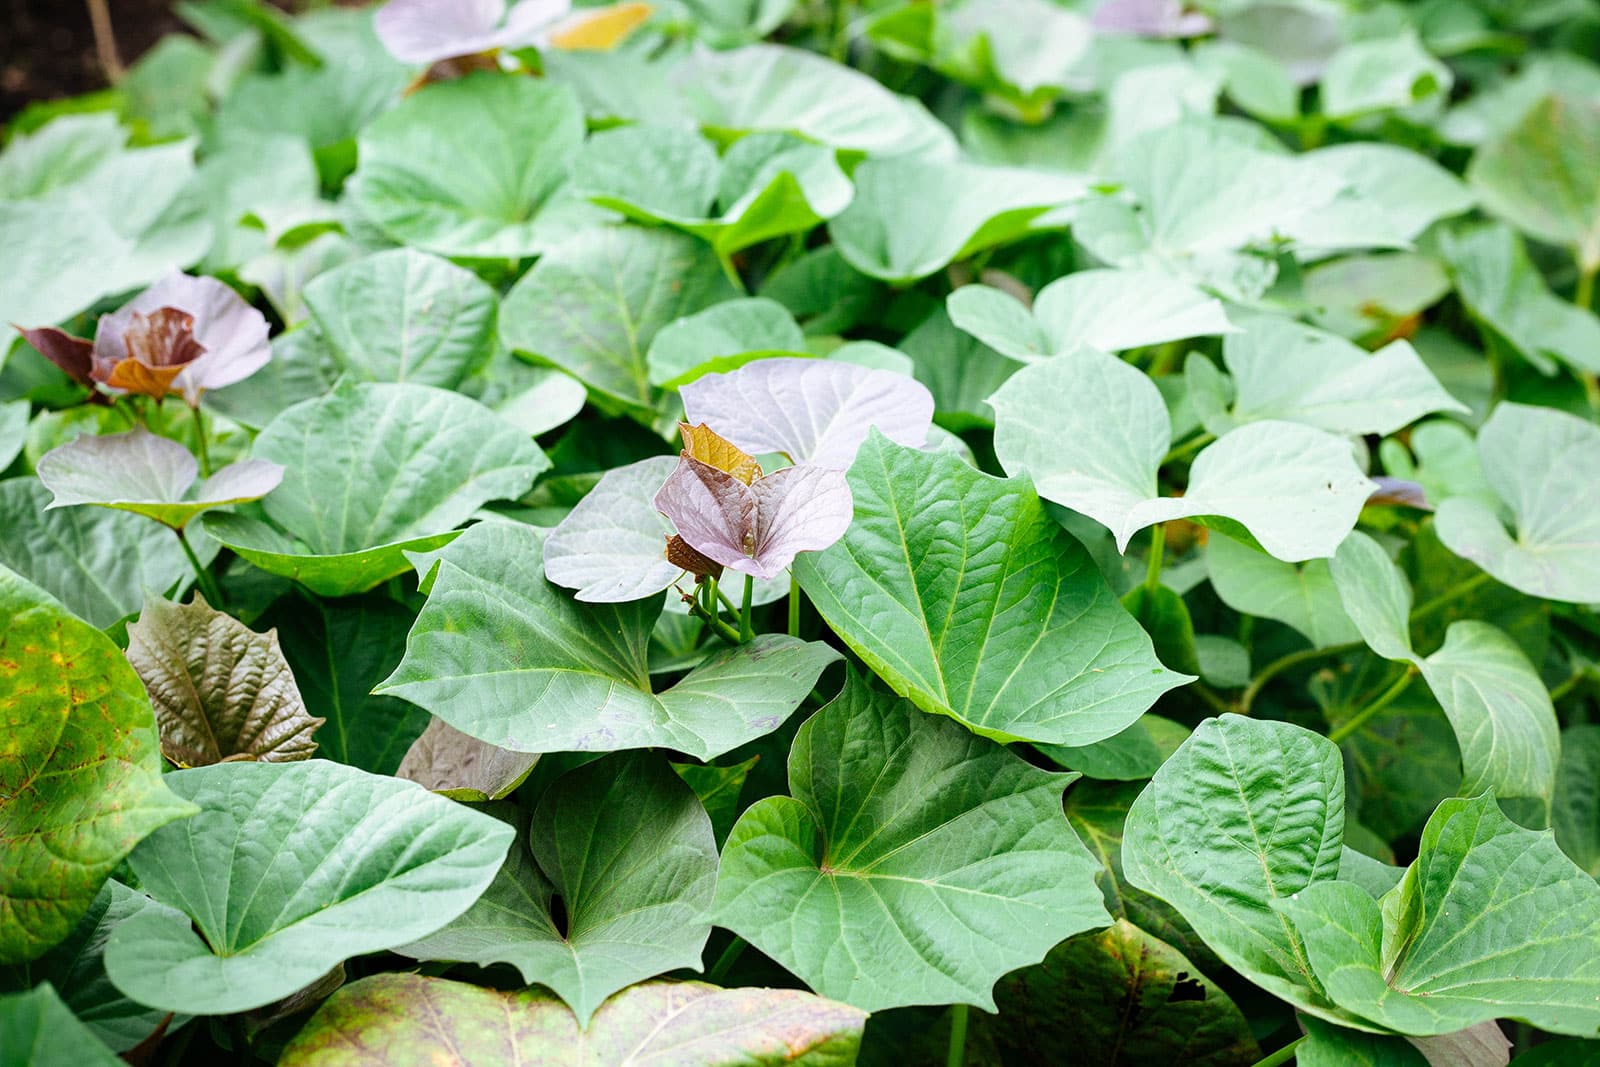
{"x": 198, "y": 324}
{"x": 609, "y": 547}
{"x": 428, "y": 31}
{"x": 814, "y": 411}
{"x": 1149, "y": 18}
{"x": 756, "y": 529}
{"x": 152, "y": 476}
{"x": 74, "y": 355}
{"x": 1398, "y": 491}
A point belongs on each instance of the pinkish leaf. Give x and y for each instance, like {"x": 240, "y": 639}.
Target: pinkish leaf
{"x": 756, "y": 529}
{"x": 73, "y": 355}
{"x": 428, "y": 31}
{"x": 814, "y": 411}
{"x": 231, "y": 335}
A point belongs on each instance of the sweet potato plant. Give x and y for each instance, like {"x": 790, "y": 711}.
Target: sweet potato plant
{"x": 990, "y": 532}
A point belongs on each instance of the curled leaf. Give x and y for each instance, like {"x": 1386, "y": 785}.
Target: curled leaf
{"x": 709, "y": 447}
{"x": 756, "y": 529}
{"x": 74, "y": 355}
{"x": 813, "y": 411}
{"x": 197, "y": 325}
{"x": 684, "y": 556}
{"x": 428, "y": 31}
{"x": 220, "y": 690}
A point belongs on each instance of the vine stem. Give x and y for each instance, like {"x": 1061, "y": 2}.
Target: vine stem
{"x": 200, "y": 441}
{"x": 725, "y": 962}
{"x": 1584, "y": 297}
{"x": 1283, "y": 1055}
{"x": 1454, "y": 594}
{"x": 202, "y": 576}
{"x": 1194, "y": 444}
{"x": 957, "y": 1054}
{"x": 747, "y": 624}
{"x": 105, "y": 40}
{"x": 1283, "y": 663}
{"x": 1152, "y": 572}
{"x": 1384, "y": 699}
{"x": 711, "y": 615}
{"x": 794, "y": 605}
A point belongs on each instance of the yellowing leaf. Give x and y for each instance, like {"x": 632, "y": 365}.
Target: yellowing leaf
{"x": 711, "y": 448}
{"x": 600, "y": 30}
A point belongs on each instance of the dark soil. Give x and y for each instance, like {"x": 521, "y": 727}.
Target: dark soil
{"x": 47, "y": 46}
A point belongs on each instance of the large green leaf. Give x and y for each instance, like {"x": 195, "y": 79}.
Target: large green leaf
{"x": 372, "y": 470}
{"x": 1497, "y": 704}
{"x": 80, "y": 774}
{"x": 594, "y": 303}
{"x": 38, "y": 1030}
{"x": 339, "y": 650}
{"x": 960, "y": 208}
{"x": 220, "y": 690}
{"x": 96, "y": 561}
{"x": 967, "y": 598}
{"x": 723, "y": 337}
{"x": 626, "y": 847}
{"x": 1553, "y": 555}
{"x": 1295, "y": 488}
{"x": 77, "y": 965}
{"x": 1121, "y": 998}
{"x": 1382, "y": 74}
{"x": 406, "y": 316}
{"x": 1575, "y": 817}
{"x": 502, "y": 654}
{"x": 463, "y": 168}
{"x": 914, "y": 864}
{"x": 1539, "y": 175}
{"x": 1247, "y": 813}
{"x": 1490, "y": 922}
{"x": 406, "y": 1020}
{"x": 289, "y": 869}
{"x": 1505, "y": 292}
{"x": 1281, "y": 369}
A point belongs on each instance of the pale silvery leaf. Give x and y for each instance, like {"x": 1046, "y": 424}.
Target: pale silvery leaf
{"x": 756, "y": 529}
{"x": 1383, "y": 74}
{"x": 1539, "y": 175}
{"x": 1282, "y": 369}
{"x": 231, "y": 333}
{"x": 610, "y": 547}
{"x": 427, "y": 31}
{"x": 772, "y": 87}
{"x": 1504, "y": 290}
{"x": 874, "y": 883}
{"x": 1302, "y": 597}
{"x": 1497, "y": 705}
{"x": 1295, "y": 488}
{"x": 813, "y": 411}
{"x": 152, "y": 476}
{"x": 1150, "y": 18}
{"x": 1555, "y": 552}
{"x": 1490, "y": 922}
{"x": 1399, "y": 192}
{"x": 723, "y": 337}
{"x": 1112, "y": 310}
{"x": 461, "y": 767}
{"x": 960, "y": 208}
{"x": 220, "y": 689}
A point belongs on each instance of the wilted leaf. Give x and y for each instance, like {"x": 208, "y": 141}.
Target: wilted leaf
{"x": 221, "y": 691}
{"x": 407, "y": 1020}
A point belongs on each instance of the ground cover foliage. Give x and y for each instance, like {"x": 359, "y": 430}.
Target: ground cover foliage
{"x": 764, "y": 531}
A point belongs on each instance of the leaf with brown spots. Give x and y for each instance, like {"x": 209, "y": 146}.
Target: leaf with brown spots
{"x": 80, "y": 779}
{"x": 406, "y": 1020}
{"x": 220, "y": 689}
